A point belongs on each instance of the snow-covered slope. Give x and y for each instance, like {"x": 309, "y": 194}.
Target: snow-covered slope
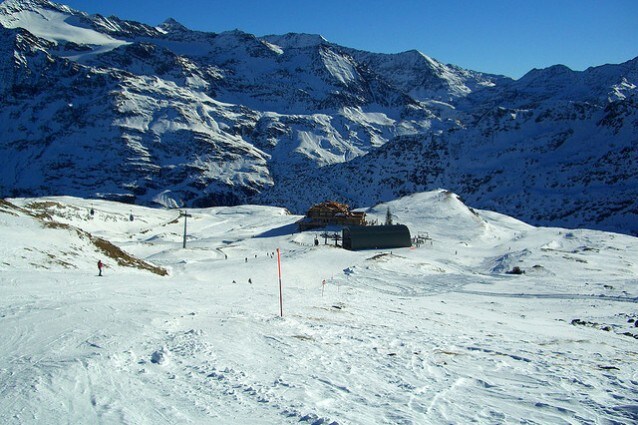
{"x": 102, "y": 107}
{"x": 34, "y": 239}
{"x": 435, "y": 334}
{"x": 51, "y": 21}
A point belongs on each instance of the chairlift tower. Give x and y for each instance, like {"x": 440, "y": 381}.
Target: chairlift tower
{"x": 185, "y": 215}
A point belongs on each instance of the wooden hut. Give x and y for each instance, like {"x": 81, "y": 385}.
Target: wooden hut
{"x": 331, "y": 213}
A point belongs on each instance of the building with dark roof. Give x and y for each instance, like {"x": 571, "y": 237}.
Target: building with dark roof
{"x": 376, "y": 237}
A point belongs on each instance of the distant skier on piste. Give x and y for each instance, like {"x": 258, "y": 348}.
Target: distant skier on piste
{"x": 100, "y": 266}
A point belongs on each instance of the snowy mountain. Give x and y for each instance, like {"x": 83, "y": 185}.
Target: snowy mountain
{"x": 97, "y": 106}
{"x": 574, "y": 164}
{"x": 440, "y": 333}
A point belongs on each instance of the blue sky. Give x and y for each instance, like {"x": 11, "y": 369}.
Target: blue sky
{"x": 508, "y": 37}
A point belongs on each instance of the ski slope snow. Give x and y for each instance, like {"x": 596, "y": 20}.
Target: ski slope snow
{"x": 441, "y": 333}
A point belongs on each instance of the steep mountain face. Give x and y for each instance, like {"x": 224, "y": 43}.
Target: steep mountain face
{"x": 424, "y": 78}
{"x": 97, "y": 106}
{"x": 556, "y": 146}
{"x": 572, "y": 165}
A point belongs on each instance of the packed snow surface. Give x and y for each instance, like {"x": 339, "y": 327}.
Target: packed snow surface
{"x": 439, "y": 333}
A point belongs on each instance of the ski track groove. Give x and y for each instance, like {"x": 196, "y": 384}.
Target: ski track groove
{"x": 207, "y": 380}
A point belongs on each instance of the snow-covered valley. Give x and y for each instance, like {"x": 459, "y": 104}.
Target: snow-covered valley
{"x": 435, "y": 334}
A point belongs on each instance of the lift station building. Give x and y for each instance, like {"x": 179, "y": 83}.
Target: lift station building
{"x": 355, "y": 238}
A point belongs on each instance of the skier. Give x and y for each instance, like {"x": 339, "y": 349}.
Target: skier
{"x": 100, "y": 265}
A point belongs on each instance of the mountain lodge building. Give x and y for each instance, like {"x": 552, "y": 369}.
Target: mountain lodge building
{"x": 331, "y": 213}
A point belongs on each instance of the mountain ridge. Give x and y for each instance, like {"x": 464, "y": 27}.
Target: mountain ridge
{"x": 163, "y": 115}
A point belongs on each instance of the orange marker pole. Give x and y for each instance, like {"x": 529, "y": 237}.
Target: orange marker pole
{"x": 281, "y": 297}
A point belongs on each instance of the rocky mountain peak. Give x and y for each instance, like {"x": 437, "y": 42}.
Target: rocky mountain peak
{"x": 171, "y": 25}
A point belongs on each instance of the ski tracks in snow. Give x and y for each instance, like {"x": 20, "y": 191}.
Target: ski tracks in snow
{"x": 223, "y": 389}
{"x": 432, "y": 379}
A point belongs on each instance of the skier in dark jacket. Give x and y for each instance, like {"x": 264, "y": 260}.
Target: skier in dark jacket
{"x": 100, "y": 265}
